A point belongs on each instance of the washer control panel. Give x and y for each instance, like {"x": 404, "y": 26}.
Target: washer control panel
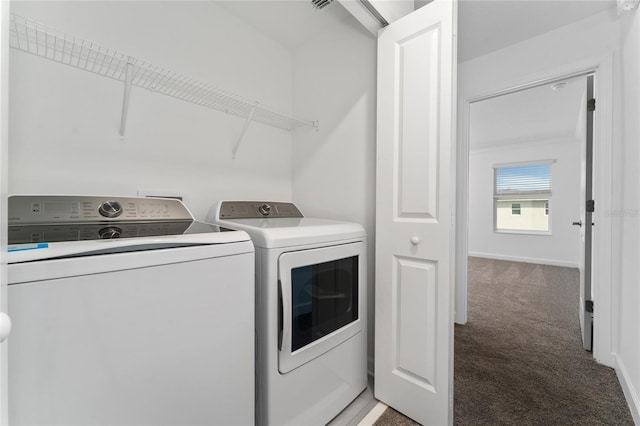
{"x": 257, "y": 210}
{"x": 46, "y": 209}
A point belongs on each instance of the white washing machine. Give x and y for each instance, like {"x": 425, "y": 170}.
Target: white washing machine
{"x": 310, "y": 310}
{"x": 126, "y": 311}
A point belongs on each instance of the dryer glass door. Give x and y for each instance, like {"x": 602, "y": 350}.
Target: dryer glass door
{"x": 321, "y": 291}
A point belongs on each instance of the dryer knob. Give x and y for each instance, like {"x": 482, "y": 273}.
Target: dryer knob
{"x": 110, "y": 209}
{"x": 265, "y": 209}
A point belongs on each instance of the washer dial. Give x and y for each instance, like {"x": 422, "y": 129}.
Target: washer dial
{"x": 264, "y": 209}
{"x": 110, "y": 209}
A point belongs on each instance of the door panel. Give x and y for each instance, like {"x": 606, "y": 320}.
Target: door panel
{"x": 417, "y": 166}
{"x": 414, "y": 211}
{"x": 415, "y": 290}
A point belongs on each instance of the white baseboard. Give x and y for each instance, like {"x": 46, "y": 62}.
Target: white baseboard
{"x": 630, "y": 393}
{"x": 550, "y": 262}
{"x": 374, "y": 414}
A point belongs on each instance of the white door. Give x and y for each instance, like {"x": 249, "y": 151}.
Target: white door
{"x": 5, "y": 324}
{"x": 586, "y": 212}
{"x": 414, "y": 214}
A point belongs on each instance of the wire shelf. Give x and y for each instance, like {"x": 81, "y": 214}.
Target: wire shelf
{"x": 40, "y": 40}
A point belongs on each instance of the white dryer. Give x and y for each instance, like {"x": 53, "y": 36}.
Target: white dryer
{"x": 310, "y": 310}
{"x": 127, "y": 311}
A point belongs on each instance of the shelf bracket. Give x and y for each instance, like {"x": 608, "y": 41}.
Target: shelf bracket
{"x": 125, "y": 100}
{"x": 242, "y": 133}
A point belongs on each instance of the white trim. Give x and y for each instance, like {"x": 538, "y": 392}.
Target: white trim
{"x": 631, "y": 394}
{"x": 538, "y": 261}
{"x": 522, "y": 231}
{"x": 582, "y": 68}
{"x": 602, "y": 66}
{"x": 524, "y": 163}
{"x": 603, "y": 188}
{"x": 374, "y": 414}
{"x": 4, "y": 179}
{"x": 528, "y": 143}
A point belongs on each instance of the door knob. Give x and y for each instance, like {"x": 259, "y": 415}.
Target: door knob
{"x": 579, "y": 223}
{"x": 415, "y": 240}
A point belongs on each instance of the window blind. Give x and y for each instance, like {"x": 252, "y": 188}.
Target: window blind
{"x": 523, "y": 180}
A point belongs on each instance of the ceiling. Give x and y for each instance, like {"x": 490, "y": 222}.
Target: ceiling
{"x": 536, "y": 114}
{"x": 488, "y": 25}
{"x": 484, "y": 25}
{"x": 292, "y": 23}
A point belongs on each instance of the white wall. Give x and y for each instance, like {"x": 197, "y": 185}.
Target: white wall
{"x": 553, "y": 52}
{"x": 562, "y": 246}
{"x": 64, "y": 122}
{"x": 628, "y": 217}
{"x": 334, "y": 168}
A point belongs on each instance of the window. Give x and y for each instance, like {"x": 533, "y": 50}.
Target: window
{"x": 521, "y": 197}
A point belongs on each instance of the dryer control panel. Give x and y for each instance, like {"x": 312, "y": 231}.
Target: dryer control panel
{"x": 50, "y": 209}
{"x": 257, "y": 210}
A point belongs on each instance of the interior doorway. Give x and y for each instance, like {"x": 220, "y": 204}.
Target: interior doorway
{"x": 527, "y": 173}
{"x": 534, "y": 377}
{"x": 602, "y": 290}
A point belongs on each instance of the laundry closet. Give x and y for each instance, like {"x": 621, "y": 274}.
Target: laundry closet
{"x": 69, "y": 131}
{"x": 65, "y": 122}
{"x": 74, "y": 130}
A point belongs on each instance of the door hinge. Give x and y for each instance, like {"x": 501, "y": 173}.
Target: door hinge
{"x": 591, "y": 206}
{"x": 591, "y": 105}
{"x": 588, "y": 306}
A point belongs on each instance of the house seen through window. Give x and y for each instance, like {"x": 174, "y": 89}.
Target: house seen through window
{"x": 521, "y": 197}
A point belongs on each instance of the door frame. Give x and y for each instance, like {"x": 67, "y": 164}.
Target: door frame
{"x": 4, "y": 179}
{"x": 603, "y": 189}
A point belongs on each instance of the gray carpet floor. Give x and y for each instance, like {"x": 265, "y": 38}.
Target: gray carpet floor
{"x": 519, "y": 359}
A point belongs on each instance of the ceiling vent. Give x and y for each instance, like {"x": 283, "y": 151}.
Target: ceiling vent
{"x": 319, "y": 4}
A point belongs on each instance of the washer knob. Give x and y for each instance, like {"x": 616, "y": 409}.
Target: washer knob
{"x": 265, "y": 209}
{"x": 110, "y": 209}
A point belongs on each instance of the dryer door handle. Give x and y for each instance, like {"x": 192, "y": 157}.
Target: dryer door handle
{"x": 280, "y": 311}
{"x": 285, "y": 306}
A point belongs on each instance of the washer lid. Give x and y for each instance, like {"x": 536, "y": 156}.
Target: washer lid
{"x": 57, "y": 233}
{"x": 54, "y": 226}
{"x": 198, "y": 234}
